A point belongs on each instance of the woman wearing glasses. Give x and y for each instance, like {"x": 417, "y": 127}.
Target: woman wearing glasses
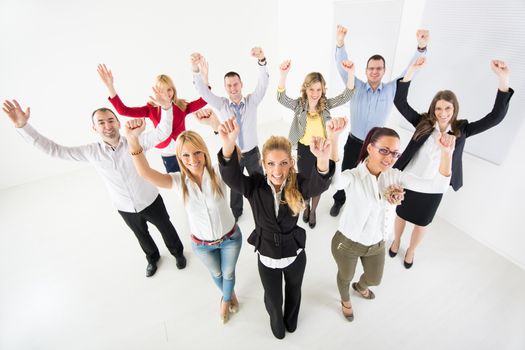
{"x": 373, "y": 189}
{"x": 421, "y": 154}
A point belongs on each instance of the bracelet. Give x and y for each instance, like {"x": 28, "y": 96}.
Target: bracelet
{"x": 137, "y": 153}
{"x": 215, "y": 132}
{"x": 421, "y": 49}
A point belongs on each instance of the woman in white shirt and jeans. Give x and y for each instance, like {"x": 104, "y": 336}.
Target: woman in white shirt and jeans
{"x": 216, "y": 239}
{"x": 368, "y": 217}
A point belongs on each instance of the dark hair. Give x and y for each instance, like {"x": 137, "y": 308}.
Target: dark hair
{"x": 376, "y": 58}
{"x": 232, "y": 75}
{"x": 373, "y": 135}
{"x": 102, "y": 109}
{"x": 428, "y": 120}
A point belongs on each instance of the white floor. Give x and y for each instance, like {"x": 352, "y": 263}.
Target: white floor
{"x": 72, "y": 277}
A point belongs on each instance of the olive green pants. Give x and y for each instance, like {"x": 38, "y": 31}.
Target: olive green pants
{"x": 346, "y": 252}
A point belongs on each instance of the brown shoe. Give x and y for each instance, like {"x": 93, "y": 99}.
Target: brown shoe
{"x": 367, "y": 294}
{"x": 348, "y": 315}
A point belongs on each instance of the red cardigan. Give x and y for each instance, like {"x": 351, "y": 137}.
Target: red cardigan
{"x": 153, "y": 113}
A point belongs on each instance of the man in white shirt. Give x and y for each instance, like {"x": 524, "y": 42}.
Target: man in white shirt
{"x": 136, "y": 200}
{"x": 244, "y": 108}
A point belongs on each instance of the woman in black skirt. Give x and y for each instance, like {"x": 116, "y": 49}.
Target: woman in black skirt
{"x": 421, "y": 155}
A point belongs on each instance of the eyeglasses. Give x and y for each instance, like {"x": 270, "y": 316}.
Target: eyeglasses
{"x": 386, "y": 152}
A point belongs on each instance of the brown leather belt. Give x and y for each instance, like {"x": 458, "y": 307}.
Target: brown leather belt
{"x": 217, "y": 241}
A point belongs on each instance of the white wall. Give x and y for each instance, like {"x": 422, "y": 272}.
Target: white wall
{"x": 51, "y": 50}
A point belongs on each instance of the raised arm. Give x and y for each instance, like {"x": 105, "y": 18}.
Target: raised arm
{"x": 501, "y": 105}
{"x": 134, "y": 112}
{"x": 165, "y": 126}
{"x": 208, "y": 117}
{"x": 401, "y": 97}
{"x": 320, "y": 176}
{"x": 348, "y": 92}
{"x": 423, "y": 38}
{"x": 282, "y": 97}
{"x": 228, "y": 157}
{"x": 262, "y": 83}
{"x": 20, "y": 119}
{"x": 134, "y": 128}
{"x": 107, "y": 78}
{"x": 200, "y": 80}
{"x": 334, "y": 127}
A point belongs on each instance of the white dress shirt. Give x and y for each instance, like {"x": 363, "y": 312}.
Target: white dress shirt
{"x": 367, "y": 217}
{"x": 209, "y": 214}
{"x": 129, "y": 192}
{"x": 425, "y": 164}
{"x": 248, "y": 111}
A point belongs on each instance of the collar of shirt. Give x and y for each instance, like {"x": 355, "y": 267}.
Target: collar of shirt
{"x": 204, "y": 183}
{"x": 241, "y": 104}
{"x": 379, "y": 87}
{"x": 436, "y": 127}
{"x": 108, "y": 147}
{"x": 276, "y": 195}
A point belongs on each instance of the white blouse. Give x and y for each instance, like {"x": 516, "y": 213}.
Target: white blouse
{"x": 367, "y": 216}
{"x": 209, "y": 214}
{"x": 425, "y": 164}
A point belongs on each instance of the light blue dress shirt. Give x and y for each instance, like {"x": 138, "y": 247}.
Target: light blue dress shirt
{"x": 369, "y": 108}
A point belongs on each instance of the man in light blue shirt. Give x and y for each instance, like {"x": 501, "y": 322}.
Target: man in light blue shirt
{"x": 371, "y": 104}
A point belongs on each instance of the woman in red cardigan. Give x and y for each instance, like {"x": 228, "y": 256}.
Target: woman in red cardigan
{"x": 180, "y": 108}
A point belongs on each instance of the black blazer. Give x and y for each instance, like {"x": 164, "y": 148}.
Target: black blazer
{"x": 274, "y": 237}
{"x": 467, "y": 129}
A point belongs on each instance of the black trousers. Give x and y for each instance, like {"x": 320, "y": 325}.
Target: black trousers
{"x": 250, "y": 160}
{"x": 272, "y": 281}
{"x": 157, "y": 215}
{"x": 351, "y": 155}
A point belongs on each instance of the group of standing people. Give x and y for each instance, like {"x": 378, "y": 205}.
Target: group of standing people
{"x": 372, "y": 176}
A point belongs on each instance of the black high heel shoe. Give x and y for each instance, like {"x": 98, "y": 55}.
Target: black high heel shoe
{"x": 407, "y": 264}
{"x": 306, "y": 213}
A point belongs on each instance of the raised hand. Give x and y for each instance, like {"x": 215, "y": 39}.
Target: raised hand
{"x": 15, "y": 113}
{"x": 195, "y": 59}
{"x": 285, "y": 66}
{"x": 320, "y": 148}
{"x": 423, "y": 36}
{"x": 502, "y": 71}
{"x": 161, "y": 98}
{"x": 228, "y": 132}
{"x": 340, "y": 34}
{"x": 135, "y": 127}
{"x": 107, "y": 78}
{"x": 258, "y": 53}
{"x": 446, "y": 143}
{"x": 206, "y": 116}
{"x": 335, "y": 125}
{"x": 203, "y": 68}
{"x": 418, "y": 64}
{"x": 348, "y": 66}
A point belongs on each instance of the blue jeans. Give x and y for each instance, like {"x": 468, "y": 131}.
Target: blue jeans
{"x": 220, "y": 260}
{"x": 171, "y": 164}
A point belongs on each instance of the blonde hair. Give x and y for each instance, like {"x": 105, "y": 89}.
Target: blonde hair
{"x": 195, "y": 140}
{"x": 309, "y": 80}
{"x": 292, "y": 195}
{"x": 168, "y": 83}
